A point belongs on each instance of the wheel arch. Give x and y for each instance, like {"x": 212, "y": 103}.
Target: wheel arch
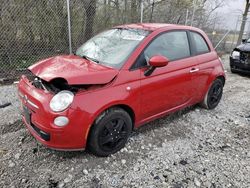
{"x": 222, "y": 78}
{"x": 125, "y": 107}
{"x": 214, "y": 76}
{"x": 128, "y": 109}
{"x": 204, "y": 103}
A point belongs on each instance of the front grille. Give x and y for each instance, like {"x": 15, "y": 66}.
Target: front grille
{"x": 245, "y": 57}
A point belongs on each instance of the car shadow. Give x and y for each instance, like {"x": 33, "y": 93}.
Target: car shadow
{"x": 177, "y": 132}
{"x": 152, "y": 125}
{"x": 166, "y": 127}
{"x": 244, "y": 75}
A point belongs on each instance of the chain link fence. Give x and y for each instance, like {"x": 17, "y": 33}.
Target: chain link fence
{"x": 223, "y": 41}
{"x": 30, "y": 30}
{"x": 35, "y": 29}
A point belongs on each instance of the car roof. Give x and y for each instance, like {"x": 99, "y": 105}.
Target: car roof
{"x": 154, "y": 26}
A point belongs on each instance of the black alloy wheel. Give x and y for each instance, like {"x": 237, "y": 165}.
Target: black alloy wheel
{"x": 113, "y": 134}
{"x": 213, "y": 95}
{"x": 110, "y": 132}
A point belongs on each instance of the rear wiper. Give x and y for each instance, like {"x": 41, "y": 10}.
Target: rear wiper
{"x": 89, "y": 58}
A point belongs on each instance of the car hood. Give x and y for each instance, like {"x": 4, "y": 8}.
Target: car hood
{"x": 244, "y": 47}
{"x": 74, "y": 69}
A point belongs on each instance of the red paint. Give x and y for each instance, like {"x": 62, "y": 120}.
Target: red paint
{"x": 158, "y": 61}
{"x": 74, "y": 69}
{"x": 166, "y": 90}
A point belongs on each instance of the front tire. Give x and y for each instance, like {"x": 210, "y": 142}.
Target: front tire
{"x": 213, "y": 95}
{"x": 232, "y": 70}
{"x": 110, "y": 132}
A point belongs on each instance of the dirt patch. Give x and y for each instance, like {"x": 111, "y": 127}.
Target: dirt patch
{"x": 191, "y": 148}
{"x": 17, "y": 125}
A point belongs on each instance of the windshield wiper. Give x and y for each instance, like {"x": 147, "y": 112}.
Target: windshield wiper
{"x": 90, "y": 58}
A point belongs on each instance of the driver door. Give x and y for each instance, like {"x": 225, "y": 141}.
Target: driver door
{"x": 167, "y": 87}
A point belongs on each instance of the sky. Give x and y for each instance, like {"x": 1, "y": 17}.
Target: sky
{"x": 230, "y": 13}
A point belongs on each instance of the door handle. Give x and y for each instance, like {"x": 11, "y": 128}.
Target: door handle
{"x": 194, "y": 70}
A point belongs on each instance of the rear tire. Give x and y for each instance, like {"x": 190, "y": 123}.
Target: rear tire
{"x": 213, "y": 95}
{"x": 110, "y": 132}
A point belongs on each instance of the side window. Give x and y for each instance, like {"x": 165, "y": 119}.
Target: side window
{"x": 200, "y": 43}
{"x": 173, "y": 45}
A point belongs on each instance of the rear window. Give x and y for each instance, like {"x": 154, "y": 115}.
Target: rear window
{"x": 200, "y": 43}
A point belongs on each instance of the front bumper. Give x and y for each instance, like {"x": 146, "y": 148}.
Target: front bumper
{"x": 237, "y": 65}
{"x": 39, "y": 119}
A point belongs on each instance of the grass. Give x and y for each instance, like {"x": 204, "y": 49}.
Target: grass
{"x": 20, "y": 62}
{"x": 14, "y": 68}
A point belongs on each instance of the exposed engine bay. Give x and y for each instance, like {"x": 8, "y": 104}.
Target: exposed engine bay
{"x": 58, "y": 84}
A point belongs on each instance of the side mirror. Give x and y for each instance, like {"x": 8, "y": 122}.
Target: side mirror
{"x": 155, "y": 62}
{"x": 158, "y": 61}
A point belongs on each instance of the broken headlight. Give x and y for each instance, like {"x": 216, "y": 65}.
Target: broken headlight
{"x": 236, "y": 55}
{"x": 61, "y": 101}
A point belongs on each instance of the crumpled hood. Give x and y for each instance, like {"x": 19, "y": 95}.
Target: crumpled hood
{"x": 74, "y": 69}
{"x": 244, "y": 47}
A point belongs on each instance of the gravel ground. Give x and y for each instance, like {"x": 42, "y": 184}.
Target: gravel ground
{"x": 191, "y": 148}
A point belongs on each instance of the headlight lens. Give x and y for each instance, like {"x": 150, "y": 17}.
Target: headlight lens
{"x": 235, "y": 55}
{"x": 61, "y": 101}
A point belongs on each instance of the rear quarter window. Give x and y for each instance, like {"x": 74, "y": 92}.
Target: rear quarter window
{"x": 200, "y": 44}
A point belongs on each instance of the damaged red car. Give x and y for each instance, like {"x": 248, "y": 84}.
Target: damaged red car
{"x": 117, "y": 81}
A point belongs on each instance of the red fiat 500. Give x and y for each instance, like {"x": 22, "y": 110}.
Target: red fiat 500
{"x": 117, "y": 81}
